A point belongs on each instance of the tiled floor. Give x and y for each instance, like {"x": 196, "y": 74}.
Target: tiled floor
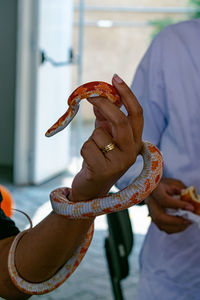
{"x": 91, "y": 280}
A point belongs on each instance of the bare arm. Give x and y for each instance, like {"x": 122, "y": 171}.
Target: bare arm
{"x": 41, "y": 252}
{"x": 52, "y": 242}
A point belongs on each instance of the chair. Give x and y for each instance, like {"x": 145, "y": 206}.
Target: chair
{"x": 118, "y": 246}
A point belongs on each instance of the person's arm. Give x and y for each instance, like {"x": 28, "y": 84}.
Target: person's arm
{"x": 41, "y": 252}
{"x": 156, "y": 117}
{"x": 45, "y": 248}
{"x": 149, "y": 87}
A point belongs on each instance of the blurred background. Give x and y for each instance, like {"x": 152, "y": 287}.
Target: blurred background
{"x": 48, "y": 48}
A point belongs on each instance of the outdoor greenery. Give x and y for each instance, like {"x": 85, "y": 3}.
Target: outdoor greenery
{"x": 196, "y": 5}
{"x": 160, "y": 24}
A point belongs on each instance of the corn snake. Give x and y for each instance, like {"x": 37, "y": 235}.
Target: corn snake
{"x": 131, "y": 195}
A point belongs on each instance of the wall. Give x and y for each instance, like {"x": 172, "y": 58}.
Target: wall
{"x": 117, "y": 49}
{"x": 8, "y": 20}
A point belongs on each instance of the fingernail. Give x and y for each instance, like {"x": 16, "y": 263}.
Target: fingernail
{"x": 117, "y": 78}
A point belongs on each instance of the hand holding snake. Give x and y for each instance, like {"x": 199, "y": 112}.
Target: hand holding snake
{"x": 108, "y": 153}
{"x": 100, "y": 170}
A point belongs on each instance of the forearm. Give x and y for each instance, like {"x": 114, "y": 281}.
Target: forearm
{"x": 48, "y": 246}
{"x": 7, "y": 288}
{"x": 41, "y": 252}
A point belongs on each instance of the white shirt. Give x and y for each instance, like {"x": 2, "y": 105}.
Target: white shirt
{"x": 167, "y": 84}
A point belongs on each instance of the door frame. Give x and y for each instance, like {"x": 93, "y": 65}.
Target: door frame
{"x": 26, "y": 90}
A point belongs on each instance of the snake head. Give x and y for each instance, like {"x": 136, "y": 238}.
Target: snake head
{"x": 87, "y": 90}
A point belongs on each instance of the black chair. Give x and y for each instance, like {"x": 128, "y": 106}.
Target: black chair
{"x": 118, "y": 246}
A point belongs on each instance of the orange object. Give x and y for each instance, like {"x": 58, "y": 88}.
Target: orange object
{"x": 190, "y": 195}
{"x": 8, "y": 202}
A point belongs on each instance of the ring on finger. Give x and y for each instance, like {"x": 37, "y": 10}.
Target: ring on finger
{"x": 108, "y": 147}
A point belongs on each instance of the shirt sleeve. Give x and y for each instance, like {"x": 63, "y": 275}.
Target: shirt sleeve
{"x": 148, "y": 86}
{"x": 7, "y": 226}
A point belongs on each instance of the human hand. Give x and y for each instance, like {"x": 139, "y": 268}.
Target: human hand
{"x": 101, "y": 170}
{"x": 163, "y": 197}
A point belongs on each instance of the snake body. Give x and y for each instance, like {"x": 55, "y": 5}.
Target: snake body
{"x": 131, "y": 195}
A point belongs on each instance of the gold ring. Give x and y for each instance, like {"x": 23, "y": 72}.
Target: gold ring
{"x": 108, "y": 148}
